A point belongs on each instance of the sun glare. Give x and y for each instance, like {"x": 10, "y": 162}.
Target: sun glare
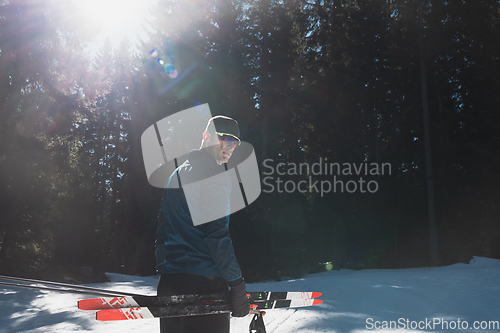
{"x": 115, "y": 19}
{"x": 111, "y": 14}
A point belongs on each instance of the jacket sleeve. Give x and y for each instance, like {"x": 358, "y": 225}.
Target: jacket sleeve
{"x": 215, "y": 195}
{"x": 220, "y": 244}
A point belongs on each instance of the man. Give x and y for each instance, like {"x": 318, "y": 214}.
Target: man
{"x": 195, "y": 256}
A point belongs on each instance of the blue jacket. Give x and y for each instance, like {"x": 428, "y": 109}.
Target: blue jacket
{"x": 182, "y": 247}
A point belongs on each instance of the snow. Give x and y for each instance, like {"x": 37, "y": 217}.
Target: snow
{"x": 440, "y": 299}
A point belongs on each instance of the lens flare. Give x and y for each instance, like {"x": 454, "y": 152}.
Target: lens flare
{"x": 169, "y": 69}
{"x": 188, "y": 88}
{"x": 167, "y": 63}
{"x": 174, "y": 74}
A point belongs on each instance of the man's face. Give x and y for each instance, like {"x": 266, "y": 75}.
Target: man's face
{"x": 227, "y": 146}
{"x": 221, "y": 147}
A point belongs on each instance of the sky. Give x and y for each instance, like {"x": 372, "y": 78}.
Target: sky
{"x": 427, "y": 299}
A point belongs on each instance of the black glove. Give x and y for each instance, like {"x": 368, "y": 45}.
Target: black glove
{"x": 239, "y": 298}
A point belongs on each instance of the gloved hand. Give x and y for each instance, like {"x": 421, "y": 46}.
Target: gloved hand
{"x": 239, "y": 298}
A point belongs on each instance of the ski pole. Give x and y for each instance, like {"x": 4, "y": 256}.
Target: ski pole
{"x": 67, "y": 291}
{"x": 71, "y": 288}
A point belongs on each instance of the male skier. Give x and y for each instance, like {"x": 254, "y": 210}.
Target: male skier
{"x": 195, "y": 258}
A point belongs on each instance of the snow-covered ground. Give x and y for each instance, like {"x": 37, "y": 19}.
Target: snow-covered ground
{"x": 443, "y": 299}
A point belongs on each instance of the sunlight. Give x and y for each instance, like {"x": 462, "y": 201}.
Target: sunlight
{"x": 111, "y": 15}
{"x": 115, "y": 19}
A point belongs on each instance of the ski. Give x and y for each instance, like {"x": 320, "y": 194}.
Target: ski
{"x": 270, "y": 295}
{"x": 181, "y": 310}
{"x": 283, "y": 303}
{"x": 161, "y": 311}
{"x": 145, "y": 301}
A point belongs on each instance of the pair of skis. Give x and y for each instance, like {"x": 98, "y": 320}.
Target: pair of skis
{"x": 115, "y": 305}
{"x": 147, "y": 307}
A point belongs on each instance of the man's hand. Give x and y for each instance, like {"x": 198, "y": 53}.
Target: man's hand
{"x": 239, "y": 299}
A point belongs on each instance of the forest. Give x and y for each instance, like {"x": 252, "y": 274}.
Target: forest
{"x": 393, "y": 104}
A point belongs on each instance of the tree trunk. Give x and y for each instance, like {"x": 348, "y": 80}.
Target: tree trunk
{"x": 427, "y": 144}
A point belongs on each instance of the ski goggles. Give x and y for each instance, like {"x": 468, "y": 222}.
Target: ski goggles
{"x": 229, "y": 138}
